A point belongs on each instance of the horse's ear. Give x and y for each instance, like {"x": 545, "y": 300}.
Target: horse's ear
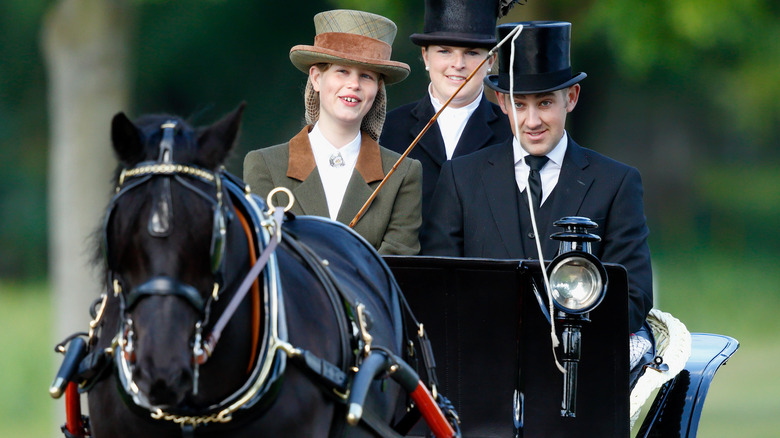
{"x": 217, "y": 140}
{"x": 126, "y": 140}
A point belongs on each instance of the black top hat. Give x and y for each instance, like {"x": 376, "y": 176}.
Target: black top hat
{"x": 542, "y": 60}
{"x": 461, "y": 23}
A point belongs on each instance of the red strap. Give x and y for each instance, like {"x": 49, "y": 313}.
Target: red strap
{"x": 431, "y": 412}
{"x": 73, "y": 411}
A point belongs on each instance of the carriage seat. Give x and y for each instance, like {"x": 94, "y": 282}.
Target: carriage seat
{"x": 673, "y": 346}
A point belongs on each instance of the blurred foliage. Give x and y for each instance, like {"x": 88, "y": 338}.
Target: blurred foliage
{"x": 740, "y": 212}
{"x": 676, "y": 88}
{"x": 727, "y": 50}
{"x": 22, "y": 141}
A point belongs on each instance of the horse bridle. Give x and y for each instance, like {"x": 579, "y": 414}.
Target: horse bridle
{"x": 269, "y": 365}
{"x": 160, "y": 225}
{"x": 275, "y": 349}
{"x": 159, "y": 221}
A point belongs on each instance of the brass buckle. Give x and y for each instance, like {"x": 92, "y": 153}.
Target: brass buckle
{"x": 270, "y": 199}
{"x": 363, "y": 326}
{"x": 98, "y": 316}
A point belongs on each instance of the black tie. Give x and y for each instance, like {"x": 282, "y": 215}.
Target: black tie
{"x": 534, "y": 181}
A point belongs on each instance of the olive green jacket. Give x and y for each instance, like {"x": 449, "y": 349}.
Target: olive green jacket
{"x": 392, "y": 222}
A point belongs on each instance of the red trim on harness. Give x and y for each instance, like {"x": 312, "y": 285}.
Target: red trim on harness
{"x": 431, "y": 412}
{"x": 73, "y": 419}
{"x": 255, "y": 291}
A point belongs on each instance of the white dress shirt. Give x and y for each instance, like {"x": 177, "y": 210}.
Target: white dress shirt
{"x": 334, "y": 179}
{"x": 549, "y": 173}
{"x": 452, "y": 121}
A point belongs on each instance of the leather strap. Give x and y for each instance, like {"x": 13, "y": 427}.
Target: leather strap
{"x": 377, "y": 425}
{"x": 166, "y": 286}
{"x": 255, "y": 328}
{"x": 216, "y": 332}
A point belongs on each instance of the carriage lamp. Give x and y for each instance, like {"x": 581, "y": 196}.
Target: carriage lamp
{"x": 578, "y": 283}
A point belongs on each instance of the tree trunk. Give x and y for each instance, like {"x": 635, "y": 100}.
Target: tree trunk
{"x": 86, "y": 48}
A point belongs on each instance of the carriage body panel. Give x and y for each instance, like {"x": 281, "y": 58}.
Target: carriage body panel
{"x": 676, "y": 410}
{"x": 491, "y": 337}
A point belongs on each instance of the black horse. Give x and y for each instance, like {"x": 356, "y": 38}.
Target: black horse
{"x": 189, "y": 359}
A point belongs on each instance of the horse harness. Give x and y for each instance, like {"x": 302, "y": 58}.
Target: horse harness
{"x": 85, "y": 365}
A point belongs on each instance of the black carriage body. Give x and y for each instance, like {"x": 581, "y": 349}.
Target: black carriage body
{"x": 491, "y": 338}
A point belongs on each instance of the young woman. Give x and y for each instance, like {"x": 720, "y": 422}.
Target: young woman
{"x": 456, "y": 38}
{"x": 334, "y": 164}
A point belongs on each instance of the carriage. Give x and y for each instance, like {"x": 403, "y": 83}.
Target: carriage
{"x": 308, "y": 332}
{"x": 490, "y": 329}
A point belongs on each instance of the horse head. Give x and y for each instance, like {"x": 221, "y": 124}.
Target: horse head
{"x": 183, "y": 241}
{"x": 165, "y": 233}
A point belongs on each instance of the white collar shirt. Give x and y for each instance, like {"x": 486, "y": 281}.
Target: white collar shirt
{"x": 452, "y": 121}
{"x": 334, "y": 179}
{"x": 549, "y": 173}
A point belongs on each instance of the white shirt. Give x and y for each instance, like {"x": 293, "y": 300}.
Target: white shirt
{"x": 549, "y": 173}
{"x": 452, "y": 121}
{"x": 334, "y": 179}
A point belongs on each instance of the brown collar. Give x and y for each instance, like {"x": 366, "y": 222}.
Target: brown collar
{"x": 369, "y": 162}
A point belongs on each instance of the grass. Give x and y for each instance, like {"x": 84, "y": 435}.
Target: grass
{"x": 743, "y": 399}
{"x": 26, "y": 362}
{"x": 739, "y": 297}
{"x": 709, "y": 293}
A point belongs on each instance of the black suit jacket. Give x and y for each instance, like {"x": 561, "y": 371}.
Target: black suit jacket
{"x": 486, "y": 126}
{"x": 476, "y": 212}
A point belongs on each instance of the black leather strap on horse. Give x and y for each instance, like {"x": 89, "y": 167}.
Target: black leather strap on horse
{"x": 95, "y": 366}
{"x": 256, "y": 298}
{"x": 329, "y": 375}
{"x": 166, "y": 286}
{"x": 378, "y": 426}
{"x": 216, "y": 332}
{"x": 336, "y": 295}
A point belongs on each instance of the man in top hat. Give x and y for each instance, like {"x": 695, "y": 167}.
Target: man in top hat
{"x": 480, "y": 207}
{"x": 457, "y": 36}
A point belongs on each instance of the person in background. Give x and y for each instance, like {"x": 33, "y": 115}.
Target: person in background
{"x": 480, "y": 207}
{"x": 456, "y": 38}
{"x": 334, "y": 164}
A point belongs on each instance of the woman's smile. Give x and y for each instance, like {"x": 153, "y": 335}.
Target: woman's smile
{"x": 351, "y": 100}
{"x": 347, "y": 93}
{"x": 448, "y": 68}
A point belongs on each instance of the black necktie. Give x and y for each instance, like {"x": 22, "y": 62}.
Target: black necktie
{"x": 534, "y": 181}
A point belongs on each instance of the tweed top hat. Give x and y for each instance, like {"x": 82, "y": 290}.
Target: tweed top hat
{"x": 461, "y": 23}
{"x": 353, "y": 38}
{"x": 542, "y": 58}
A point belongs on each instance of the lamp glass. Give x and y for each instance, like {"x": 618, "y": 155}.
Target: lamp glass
{"x": 576, "y": 283}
